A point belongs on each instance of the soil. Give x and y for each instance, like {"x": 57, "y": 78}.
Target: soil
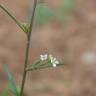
{"x": 68, "y": 42}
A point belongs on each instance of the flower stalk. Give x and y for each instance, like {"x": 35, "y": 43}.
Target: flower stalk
{"x": 27, "y": 48}
{"x": 45, "y": 61}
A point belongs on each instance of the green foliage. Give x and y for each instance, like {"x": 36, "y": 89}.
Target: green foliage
{"x": 25, "y": 27}
{"x": 40, "y": 1}
{"x": 67, "y": 6}
{"x": 64, "y": 10}
{"x": 43, "y": 63}
{"x": 12, "y": 87}
{"x": 5, "y": 93}
{"x": 44, "y": 14}
{"x": 33, "y": 67}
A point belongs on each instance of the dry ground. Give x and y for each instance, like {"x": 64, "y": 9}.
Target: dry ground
{"x": 69, "y": 42}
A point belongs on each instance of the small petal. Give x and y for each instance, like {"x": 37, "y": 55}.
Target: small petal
{"x": 42, "y": 57}
{"x": 54, "y": 65}
{"x": 50, "y": 57}
{"x": 45, "y": 56}
{"x": 54, "y": 59}
{"x": 57, "y": 62}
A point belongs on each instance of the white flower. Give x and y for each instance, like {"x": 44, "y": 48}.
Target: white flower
{"x": 51, "y": 57}
{"x": 43, "y": 57}
{"x": 54, "y": 61}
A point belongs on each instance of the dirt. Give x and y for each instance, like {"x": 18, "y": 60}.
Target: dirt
{"x": 68, "y": 42}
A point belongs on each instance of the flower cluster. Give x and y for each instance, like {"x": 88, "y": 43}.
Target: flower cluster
{"x": 52, "y": 59}
{"x": 43, "y": 57}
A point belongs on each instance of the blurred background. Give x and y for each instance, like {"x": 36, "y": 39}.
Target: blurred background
{"x": 64, "y": 28}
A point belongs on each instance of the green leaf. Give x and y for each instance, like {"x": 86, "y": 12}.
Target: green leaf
{"x": 63, "y": 11}
{"x": 19, "y": 89}
{"x": 12, "y": 85}
{"x": 43, "y": 66}
{"x": 40, "y": 1}
{"x": 25, "y": 27}
{"x": 5, "y": 92}
{"x": 67, "y": 6}
{"x": 43, "y": 14}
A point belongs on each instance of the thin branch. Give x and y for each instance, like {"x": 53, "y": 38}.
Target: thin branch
{"x": 27, "y": 48}
{"x": 43, "y": 67}
{"x": 12, "y": 17}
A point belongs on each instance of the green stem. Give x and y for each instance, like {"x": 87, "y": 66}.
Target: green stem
{"x": 12, "y": 17}
{"x": 27, "y": 48}
{"x": 43, "y": 67}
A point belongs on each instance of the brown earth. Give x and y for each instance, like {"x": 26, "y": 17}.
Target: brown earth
{"x": 66, "y": 41}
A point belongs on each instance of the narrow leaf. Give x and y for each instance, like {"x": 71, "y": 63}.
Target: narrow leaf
{"x": 12, "y": 85}
{"x": 43, "y": 14}
{"x": 67, "y": 6}
{"x": 63, "y": 11}
{"x": 5, "y": 92}
{"x": 42, "y": 67}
